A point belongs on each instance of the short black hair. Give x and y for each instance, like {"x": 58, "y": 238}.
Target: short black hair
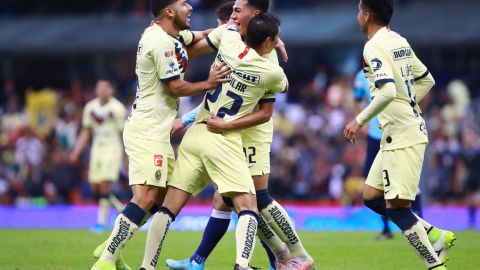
{"x": 382, "y": 10}
{"x": 260, "y": 27}
{"x": 262, "y": 5}
{"x": 225, "y": 10}
{"x": 158, "y": 5}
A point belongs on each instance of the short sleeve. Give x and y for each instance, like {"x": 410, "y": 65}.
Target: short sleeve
{"x": 420, "y": 71}
{"x": 165, "y": 61}
{"x": 276, "y": 81}
{"x": 86, "y": 117}
{"x": 268, "y": 97}
{"x": 215, "y": 37}
{"x": 187, "y": 36}
{"x": 379, "y": 64}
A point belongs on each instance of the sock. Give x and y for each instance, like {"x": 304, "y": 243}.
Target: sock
{"x": 125, "y": 227}
{"x": 416, "y": 235}
{"x": 217, "y": 226}
{"x": 150, "y": 213}
{"x": 386, "y": 227}
{"x": 377, "y": 205}
{"x": 433, "y": 233}
{"x": 156, "y": 235}
{"x": 417, "y": 206}
{"x": 269, "y": 237}
{"x": 245, "y": 237}
{"x": 271, "y": 256}
{"x": 115, "y": 202}
{"x": 103, "y": 204}
{"x": 277, "y": 218}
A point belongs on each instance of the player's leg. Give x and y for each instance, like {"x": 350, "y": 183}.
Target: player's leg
{"x": 174, "y": 201}
{"x": 216, "y": 228}
{"x": 245, "y": 206}
{"x": 402, "y": 169}
{"x": 99, "y": 226}
{"x": 127, "y": 224}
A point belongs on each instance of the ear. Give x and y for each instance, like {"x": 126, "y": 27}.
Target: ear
{"x": 256, "y": 12}
{"x": 168, "y": 12}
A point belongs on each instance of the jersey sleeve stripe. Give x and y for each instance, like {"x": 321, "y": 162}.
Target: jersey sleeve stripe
{"x": 211, "y": 44}
{"x": 383, "y": 81}
{"x": 266, "y": 100}
{"x": 423, "y": 76}
{"x": 173, "y": 78}
{"x": 193, "y": 39}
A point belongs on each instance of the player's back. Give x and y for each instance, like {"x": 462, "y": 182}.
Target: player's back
{"x": 252, "y": 76}
{"x": 390, "y": 58}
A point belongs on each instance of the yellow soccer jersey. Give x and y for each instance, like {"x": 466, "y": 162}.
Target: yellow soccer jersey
{"x": 389, "y": 58}
{"x": 105, "y": 121}
{"x": 160, "y": 58}
{"x": 252, "y": 76}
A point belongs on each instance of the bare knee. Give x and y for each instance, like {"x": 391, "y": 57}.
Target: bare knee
{"x": 219, "y": 204}
{"x": 371, "y": 193}
{"x": 244, "y": 201}
{"x": 145, "y": 196}
{"x": 398, "y": 203}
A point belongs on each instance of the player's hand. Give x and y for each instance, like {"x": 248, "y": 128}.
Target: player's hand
{"x": 218, "y": 75}
{"x": 351, "y": 130}
{"x": 283, "y": 51}
{"x": 73, "y": 157}
{"x": 177, "y": 126}
{"x": 216, "y": 124}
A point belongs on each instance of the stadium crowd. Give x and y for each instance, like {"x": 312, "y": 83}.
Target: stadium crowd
{"x": 310, "y": 160}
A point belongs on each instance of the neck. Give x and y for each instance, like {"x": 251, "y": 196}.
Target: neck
{"x": 103, "y": 101}
{"x": 168, "y": 26}
{"x": 373, "y": 29}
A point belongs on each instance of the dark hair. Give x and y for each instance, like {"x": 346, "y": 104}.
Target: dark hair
{"x": 225, "y": 10}
{"x": 382, "y": 10}
{"x": 260, "y": 27}
{"x": 158, "y": 5}
{"x": 262, "y": 5}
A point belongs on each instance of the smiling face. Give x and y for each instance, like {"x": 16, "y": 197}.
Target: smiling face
{"x": 241, "y": 15}
{"x": 182, "y": 12}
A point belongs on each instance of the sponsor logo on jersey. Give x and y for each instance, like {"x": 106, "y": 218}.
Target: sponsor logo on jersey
{"x": 169, "y": 54}
{"x": 158, "y": 160}
{"x": 247, "y": 77}
{"x": 376, "y": 64}
{"x": 402, "y": 53}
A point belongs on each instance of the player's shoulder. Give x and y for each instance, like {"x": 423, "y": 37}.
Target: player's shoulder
{"x": 154, "y": 36}
{"x": 92, "y": 103}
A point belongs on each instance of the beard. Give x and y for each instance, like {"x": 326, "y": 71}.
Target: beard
{"x": 181, "y": 23}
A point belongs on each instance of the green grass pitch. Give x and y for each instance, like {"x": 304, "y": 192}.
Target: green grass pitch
{"x": 72, "y": 249}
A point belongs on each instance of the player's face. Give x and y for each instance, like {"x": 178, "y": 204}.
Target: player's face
{"x": 362, "y": 18}
{"x": 182, "y": 11}
{"x": 104, "y": 89}
{"x": 241, "y": 15}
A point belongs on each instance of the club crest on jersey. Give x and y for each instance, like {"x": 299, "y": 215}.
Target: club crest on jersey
{"x": 158, "y": 160}
{"x": 169, "y": 54}
{"x": 376, "y": 64}
{"x": 158, "y": 175}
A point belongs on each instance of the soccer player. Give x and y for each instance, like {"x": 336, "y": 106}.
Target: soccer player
{"x": 398, "y": 80}
{"x": 161, "y": 62}
{"x": 470, "y": 159}
{"x": 361, "y": 92}
{"x": 103, "y": 119}
{"x": 256, "y": 145}
{"x": 205, "y": 156}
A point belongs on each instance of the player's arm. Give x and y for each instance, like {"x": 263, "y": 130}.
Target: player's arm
{"x": 82, "y": 141}
{"x": 264, "y": 113}
{"x": 179, "y": 88}
{"x": 423, "y": 79}
{"x": 208, "y": 44}
{"x": 186, "y": 120}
